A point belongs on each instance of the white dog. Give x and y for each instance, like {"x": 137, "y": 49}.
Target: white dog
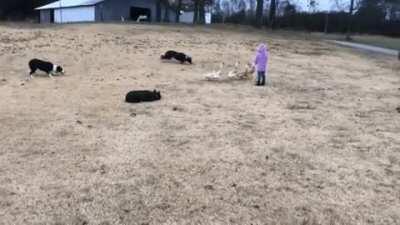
{"x": 141, "y": 17}
{"x": 215, "y": 75}
{"x": 241, "y": 75}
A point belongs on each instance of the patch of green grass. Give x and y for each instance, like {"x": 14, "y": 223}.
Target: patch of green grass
{"x": 379, "y": 41}
{"x": 374, "y": 40}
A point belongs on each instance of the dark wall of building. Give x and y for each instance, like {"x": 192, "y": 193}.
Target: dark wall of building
{"x": 45, "y": 16}
{"x": 113, "y": 10}
{"x": 98, "y": 13}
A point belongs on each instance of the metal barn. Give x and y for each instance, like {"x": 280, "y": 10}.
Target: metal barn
{"x": 70, "y": 11}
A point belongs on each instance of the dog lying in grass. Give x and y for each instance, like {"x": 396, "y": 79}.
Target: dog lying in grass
{"x": 215, "y": 75}
{"x": 142, "y": 96}
{"x": 245, "y": 74}
{"x": 235, "y": 74}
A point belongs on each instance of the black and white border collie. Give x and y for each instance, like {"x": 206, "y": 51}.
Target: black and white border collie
{"x": 48, "y": 67}
{"x": 181, "y": 57}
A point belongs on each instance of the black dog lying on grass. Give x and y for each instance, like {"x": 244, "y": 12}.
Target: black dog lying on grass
{"x": 181, "y": 57}
{"x": 142, "y": 96}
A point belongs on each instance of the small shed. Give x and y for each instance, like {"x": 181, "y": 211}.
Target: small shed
{"x": 70, "y": 11}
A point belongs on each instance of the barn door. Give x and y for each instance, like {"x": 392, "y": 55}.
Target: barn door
{"x": 52, "y": 16}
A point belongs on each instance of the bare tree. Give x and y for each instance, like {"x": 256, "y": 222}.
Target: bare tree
{"x": 227, "y": 9}
{"x": 272, "y": 13}
{"x": 199, "y": 16}
{"x": 350, "y": 21}
{"x": 241, "y": 5}
{"x": 158, "y": 10}
{"x": 252, "y": 6}
{"x": 312, "y": 5}
{"x": 259, "y": 13}
{"x": 166, "y": 11}
{"x": 339, "y": 5}
{"x": 202, "y": 12}
{"x": 196, "y": 12}
{"x": 178, "y": 10}
{"x": 344, "y": 5}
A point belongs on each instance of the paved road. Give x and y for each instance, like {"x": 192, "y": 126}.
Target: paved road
{"x": 368, "y": 48}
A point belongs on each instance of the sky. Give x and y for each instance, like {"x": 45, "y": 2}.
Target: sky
{"x": 323, "y": 5}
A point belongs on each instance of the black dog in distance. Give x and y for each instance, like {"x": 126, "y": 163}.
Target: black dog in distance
{"x": 142, "y": 96}
{"x": 179, "y": 56}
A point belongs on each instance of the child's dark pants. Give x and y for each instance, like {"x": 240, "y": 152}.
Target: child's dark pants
{"x": 261, "y": 78}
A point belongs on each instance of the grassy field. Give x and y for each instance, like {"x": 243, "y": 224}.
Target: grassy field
{"x": 318, "y": 146}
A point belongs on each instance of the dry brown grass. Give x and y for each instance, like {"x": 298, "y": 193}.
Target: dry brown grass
{"x": 320, "y": 145}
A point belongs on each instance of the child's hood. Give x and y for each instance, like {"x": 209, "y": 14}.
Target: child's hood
{"x": 262, "y": 48}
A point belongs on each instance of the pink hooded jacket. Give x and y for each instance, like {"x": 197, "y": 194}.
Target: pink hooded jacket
{"x": 261, "y": 60}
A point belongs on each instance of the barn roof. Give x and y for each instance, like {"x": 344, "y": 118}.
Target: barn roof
{"x": 69, "y": 3}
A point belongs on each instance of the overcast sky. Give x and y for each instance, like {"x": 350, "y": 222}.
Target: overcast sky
{"x": 322, "y": 4}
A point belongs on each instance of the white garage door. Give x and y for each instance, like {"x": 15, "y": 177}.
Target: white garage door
{"x": 70, "y": 15}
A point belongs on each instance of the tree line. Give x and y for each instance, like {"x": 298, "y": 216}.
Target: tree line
{"x": 360, "y": 16}
{"x": 197, "y": 6}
